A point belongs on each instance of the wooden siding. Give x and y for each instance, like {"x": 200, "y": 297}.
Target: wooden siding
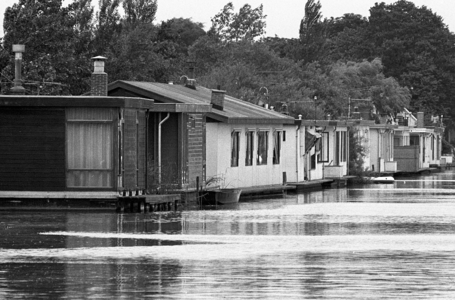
{"x": 32, "y": 149}
{"x": 407, "y": 158}
{"x": 196, "y": 144}
{"x": 134, "y": 144}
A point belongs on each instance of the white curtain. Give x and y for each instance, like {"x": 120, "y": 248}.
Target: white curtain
{"x": 89, "y": 147}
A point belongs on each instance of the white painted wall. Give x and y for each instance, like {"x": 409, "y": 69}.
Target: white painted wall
{"x": 218, "y": 149}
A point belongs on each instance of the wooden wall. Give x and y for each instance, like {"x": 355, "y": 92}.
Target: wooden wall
{"x": 407, "y": 158}
{"x": 32, "y": 149}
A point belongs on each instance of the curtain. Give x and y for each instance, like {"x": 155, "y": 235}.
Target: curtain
{"x": 276, "y": 147}
{"x": 249, "y": 148}
{"x": 90, "y": 147}
{"x": 262, "y": 147}
{"x": 235, "y": 149}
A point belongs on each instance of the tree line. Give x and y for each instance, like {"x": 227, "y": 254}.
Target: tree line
{"x": 399, "y": 56}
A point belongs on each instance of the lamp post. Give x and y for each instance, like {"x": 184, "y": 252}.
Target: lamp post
{"x": 315, "y": 98}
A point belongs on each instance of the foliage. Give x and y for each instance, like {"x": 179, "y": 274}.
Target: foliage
{"x": 140, "y": 11}
{"x": 357, "y": 154}
{"x": 57, "y": 41}
{"x": 247, "y": 24}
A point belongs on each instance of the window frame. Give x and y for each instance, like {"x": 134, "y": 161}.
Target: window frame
{"x": 235, "y": 148}
{"x": 261, "y": 148}
{"x": 324, "y": 147}
{"x": 277, "y": 146}
{"x": 110, "y": 151}
{"x": 249, "y": 148}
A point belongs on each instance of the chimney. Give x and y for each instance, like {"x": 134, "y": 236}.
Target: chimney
{"x": 217, "y": 100}
{"x": 18, "y": 89}
{"x": 420, "y": 120}
{"x": 99, "y": 77}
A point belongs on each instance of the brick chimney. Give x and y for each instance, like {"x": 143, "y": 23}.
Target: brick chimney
{"x": 18, "y": 89}
{"x": 217, "y": 100}
{"x": 420, "y": 120}
{"x": 99, "y": 77}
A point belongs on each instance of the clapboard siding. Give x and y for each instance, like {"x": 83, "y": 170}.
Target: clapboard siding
{"x": 32, "y": 149}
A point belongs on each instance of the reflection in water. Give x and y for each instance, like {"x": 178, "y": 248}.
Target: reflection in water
{"x": 372, "y": 241}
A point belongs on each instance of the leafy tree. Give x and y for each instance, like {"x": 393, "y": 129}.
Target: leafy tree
{"x": 182, "y": 32}
{"x": 247, "y": 24}
{"x": 311, "y": 19}
{"x": 139, "y": 11}
{"x": 312, "y": 33}
{"x": 415, "y": 46}
{"x": 108, "y": 26}
{"x": 56, "y": 40}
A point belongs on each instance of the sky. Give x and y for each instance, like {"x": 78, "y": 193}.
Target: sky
{"x": 283, "y": 17}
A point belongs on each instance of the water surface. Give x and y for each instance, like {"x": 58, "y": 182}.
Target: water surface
{"x": 378, "y": 241}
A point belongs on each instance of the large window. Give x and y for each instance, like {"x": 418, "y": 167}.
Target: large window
{"x": 263, "y": 145}
{"x": 324, "y": 147}
{"x": 340, "y": 147}
{"x": 235, "y": 148}
{"x": 89, "y": 134}
{"x": 277, "y": 147}
{"x": 249, "y": 148}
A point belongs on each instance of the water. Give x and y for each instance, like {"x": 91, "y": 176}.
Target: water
{"x": 378, "y": 241}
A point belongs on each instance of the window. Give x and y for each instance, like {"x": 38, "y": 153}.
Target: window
{"x": 235, "y": 148}
{"x": 432, "y": 147}
{"x": 249, "y": 148}
{"x": 263, "y": 145}
{"x": 277, "y": 147}
{"x": 89, "y": 135}
{"x": 340, "y": 147}
{"x": 324, "y": 147}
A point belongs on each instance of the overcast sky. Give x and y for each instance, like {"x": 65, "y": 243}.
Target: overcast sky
{"x": 283, "y": 17}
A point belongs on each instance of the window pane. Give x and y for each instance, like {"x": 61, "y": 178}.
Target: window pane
{"x": 324, "y": 156}
{"x": 89, "y": 148}
{"x": 249, "y": 148}
{"x": 263, "y": 144}
{"x": 235, "y": 137}
{"x": 276, "y": 147}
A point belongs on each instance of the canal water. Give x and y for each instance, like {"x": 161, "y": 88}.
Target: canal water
{"x": 377, "y": 241}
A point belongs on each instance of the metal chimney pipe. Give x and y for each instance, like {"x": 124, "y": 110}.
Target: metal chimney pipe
{"x": 18, "y": 89}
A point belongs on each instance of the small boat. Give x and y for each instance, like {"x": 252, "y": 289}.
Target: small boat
{"x": 383, "y": 179}
{"x": 227, "y": 196}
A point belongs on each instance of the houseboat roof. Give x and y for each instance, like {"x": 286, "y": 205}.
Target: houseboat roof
{"x": 337, "y": 123}
{"x": 74, "y": 101}
{"x": 235, "y": 111}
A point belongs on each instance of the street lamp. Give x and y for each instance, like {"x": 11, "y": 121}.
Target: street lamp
{"x": 315, "y": 98}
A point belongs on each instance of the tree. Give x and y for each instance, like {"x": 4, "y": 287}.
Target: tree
{"x": 139, "y": 11}
{"x": 56, "y": 40}
{"x": 247, "y": 24}
{"x": 415, "y": 46}
{"x": 312, "y": 33}
{"x": 182, "y": 32}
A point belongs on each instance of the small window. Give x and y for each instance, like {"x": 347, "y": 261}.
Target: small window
{"x": 263, "y": 145}
{"x": 249, "y": 148}
{"x": 235, "y": 148}
{"x": 324, "y": 147}
{"x": 277, "y": 147}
